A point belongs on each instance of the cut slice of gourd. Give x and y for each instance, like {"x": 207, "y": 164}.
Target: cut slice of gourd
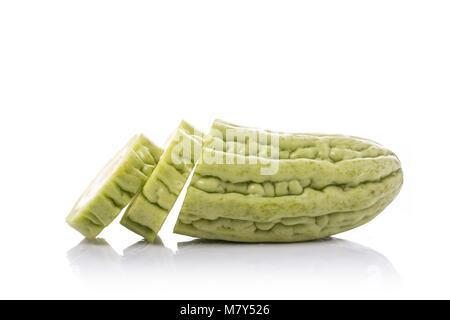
{"x": 115, "y": 186}
{"x": 149, "y": 209}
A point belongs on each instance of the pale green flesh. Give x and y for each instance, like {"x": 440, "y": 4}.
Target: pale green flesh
{"x": 325, "y": 184}
{"x": 114, "y": 186}
{"x": 148, "y": 211}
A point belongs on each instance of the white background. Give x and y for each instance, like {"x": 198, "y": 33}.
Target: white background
{"x": 79, "y": 78}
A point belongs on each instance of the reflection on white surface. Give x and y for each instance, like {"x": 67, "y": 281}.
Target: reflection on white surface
{"x": 143, "y": 258}
{"x": 96, "y": 258}
{"x": 93, "y": 258}
{"x": 318, "y": 263}
{"x": 328, "y": 260}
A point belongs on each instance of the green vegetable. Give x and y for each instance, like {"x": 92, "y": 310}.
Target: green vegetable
{"x": 149, "y": 209}
{"x": 114, "y": 186}
{"x": 257, "y": 185}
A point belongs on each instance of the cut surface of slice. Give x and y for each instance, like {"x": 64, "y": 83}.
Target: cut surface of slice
{"x": 149, "y": 209}
{"x": 114, "y": 187}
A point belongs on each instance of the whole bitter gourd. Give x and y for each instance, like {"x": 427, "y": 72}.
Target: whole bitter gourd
{"x": 114, "y": 186}
{"x": 149, "y": 209}
{"x": 322, "y": 185}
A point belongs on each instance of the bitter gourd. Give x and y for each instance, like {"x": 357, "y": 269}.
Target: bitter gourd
{"x": 321, "y": 185}
{"x": 148, "y": 210}
{"x": 114, "y": 186}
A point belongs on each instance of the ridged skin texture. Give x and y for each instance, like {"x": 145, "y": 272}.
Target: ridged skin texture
{"x": 324, "y": 185}
{"x": 149, "y": 209}
{"x": 114, "y": 186}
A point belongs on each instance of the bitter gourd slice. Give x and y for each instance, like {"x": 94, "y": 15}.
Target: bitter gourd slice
{"x": 149, "y": 209}
{"x": 115, "y": 185}
{"x": 323, "y": 185}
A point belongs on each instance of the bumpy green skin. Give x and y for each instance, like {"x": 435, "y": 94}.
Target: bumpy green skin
{"x": 114, "y": 186}
{"x": 149, "y": 209}
{"x": 325, "y": 184}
